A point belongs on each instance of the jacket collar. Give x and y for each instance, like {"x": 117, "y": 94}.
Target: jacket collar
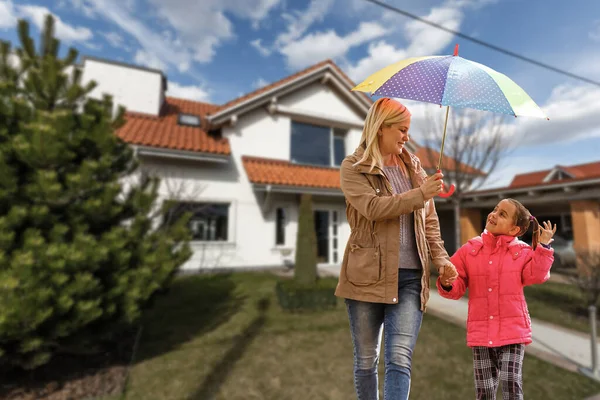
{"x": 402, "y": 157}
{"x": 494, "y": 241}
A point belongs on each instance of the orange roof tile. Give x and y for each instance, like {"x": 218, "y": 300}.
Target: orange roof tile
{"x": 579, "y": 172}
{"x": 164, "y": 131}
{"x": 279, "y": 172}
{"x": 288, "y": 79}
{"x": 429, "y": 159}
{"x": 529, "y": 179}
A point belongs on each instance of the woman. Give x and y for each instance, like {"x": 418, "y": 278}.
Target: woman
{"x": 394, "y": 233}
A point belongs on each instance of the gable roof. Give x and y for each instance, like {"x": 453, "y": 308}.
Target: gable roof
{"x": 578, "y": 172}
{"x": 265, "y": 93}
{"x": 164, "y": 131}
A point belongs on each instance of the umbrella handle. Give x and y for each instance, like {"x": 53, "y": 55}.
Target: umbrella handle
{"x": 450, "y": 191}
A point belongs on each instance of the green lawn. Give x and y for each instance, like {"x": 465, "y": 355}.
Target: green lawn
{"x": 224, "y": 337}
{"x": 558, "y": 303}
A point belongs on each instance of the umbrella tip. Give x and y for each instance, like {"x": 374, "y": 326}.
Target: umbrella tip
{"x": 456, "y": 49}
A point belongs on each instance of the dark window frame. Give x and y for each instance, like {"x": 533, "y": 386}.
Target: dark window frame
{"x": 280, "y": 222}
{"x": 209, "y": 221}
{"x": 335, "y": 135}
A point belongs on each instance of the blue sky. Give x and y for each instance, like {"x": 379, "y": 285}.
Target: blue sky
{"x": 216, "y": 50}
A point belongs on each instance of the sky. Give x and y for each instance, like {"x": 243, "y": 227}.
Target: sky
{"x": 216, "y": 50}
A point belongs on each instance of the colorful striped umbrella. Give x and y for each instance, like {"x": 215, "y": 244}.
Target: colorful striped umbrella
{"x": 451, "y": 81}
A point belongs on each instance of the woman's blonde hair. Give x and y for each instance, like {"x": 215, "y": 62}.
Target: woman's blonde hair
{"x": 384, "y": 111}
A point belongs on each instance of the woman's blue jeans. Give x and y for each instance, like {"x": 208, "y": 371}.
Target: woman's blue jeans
{"x": 401, "y": 323}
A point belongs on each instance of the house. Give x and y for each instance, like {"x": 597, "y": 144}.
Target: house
{"x": 239, "y": 167}
{"x": 565, "y": 195}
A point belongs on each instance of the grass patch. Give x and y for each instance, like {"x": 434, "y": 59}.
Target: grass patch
{"x": 225, "y": 337}
{"x": 294, "y": 296}
{"x": 558, "y": 303}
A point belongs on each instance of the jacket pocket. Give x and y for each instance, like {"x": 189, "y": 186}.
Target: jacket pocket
{"x": 364, "y": 265}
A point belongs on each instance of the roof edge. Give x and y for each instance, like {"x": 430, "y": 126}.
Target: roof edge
{"x": 300, "y": 80}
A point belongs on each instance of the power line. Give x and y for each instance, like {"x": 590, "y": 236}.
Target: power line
{"x": 485, "y": 44}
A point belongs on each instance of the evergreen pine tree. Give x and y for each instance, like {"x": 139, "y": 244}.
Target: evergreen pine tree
{"x": 80, "y": 254}
{"x": 306, "y": 244}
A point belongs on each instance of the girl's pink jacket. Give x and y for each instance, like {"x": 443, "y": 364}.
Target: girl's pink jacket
{"x": 495, "y": 269}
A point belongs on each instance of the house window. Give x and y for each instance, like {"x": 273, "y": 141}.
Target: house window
{"x": 208, "y": 221}
{"x": 317, "y": 145}
{"x": 339, "y": 147}
{"x": 280, "y": 226}
{"x": 561, "y": 175}
{"x": 189, "y": 119}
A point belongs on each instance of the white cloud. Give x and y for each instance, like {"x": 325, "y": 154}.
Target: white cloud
{"x": 427, "y": 40}
{"x": 260, "y": 82}
{"x": 299, "y": 22}
{"x": 63, "y": 31}
{"x": 93, "y": 46}
{"x": 114, "y": 39}
{"x": 379, "y": 55}
{"x": 194, "y": 29}
{"x": 149, "y": 60}
{"x": 203, "y": 25}
{"x": 8, "y": 19}
{"x": 257, "y": 44}
{"x": 81, "y": 5}
{"x": 318, "y": 46}
{"x": 587, "y": 64}
{"x": 187, "y": 92}
{"x": 574, "y": 112}
{"x": 168, "y": 52}
{"x": 422, "y": 39}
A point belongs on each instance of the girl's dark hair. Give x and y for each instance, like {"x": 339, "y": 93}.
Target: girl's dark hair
{"x": 523, "y": 219}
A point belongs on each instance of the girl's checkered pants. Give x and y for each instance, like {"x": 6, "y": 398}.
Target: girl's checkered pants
{"x": 504, "y": 363}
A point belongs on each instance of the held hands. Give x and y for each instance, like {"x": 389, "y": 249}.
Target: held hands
{"x": 448, "y": 274}
{"x": 432, "y": 186}
{"x": 546, "y": 232}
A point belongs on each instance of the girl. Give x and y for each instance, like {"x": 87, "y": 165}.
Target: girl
{"x": 495, "y": 267}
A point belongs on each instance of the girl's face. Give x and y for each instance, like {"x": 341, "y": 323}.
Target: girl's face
{"x": 501, "y": 221}
{"x": 392, "y": 138}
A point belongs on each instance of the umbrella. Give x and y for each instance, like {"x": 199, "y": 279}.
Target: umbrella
{"x": 451, "y": 81}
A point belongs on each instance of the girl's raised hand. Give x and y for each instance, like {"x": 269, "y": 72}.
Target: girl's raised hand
{"x": 546, "y": 232}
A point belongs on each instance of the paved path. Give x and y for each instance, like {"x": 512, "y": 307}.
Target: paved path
{"x": 565, "y": 348}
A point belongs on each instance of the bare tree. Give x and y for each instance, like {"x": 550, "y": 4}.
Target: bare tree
{"x": 588, "y": 276}
{"x": 475, "y": 143}
{"x": 182, "y": 196}
{"x": 588, "y": 281}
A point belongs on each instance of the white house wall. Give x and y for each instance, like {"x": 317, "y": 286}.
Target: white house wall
{"x": 252, "y": 224}
{"x": 260, "y": 134}
{"x": 136, "y": 89}
{"x": 321, "y": 99}
{"x": 251, "y": 235}
{"x": 251, "y": 231}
